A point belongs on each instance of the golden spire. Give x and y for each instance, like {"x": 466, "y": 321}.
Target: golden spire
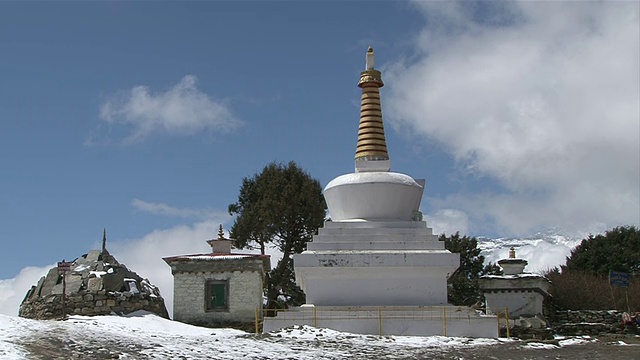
{"x": 371, "y": 141}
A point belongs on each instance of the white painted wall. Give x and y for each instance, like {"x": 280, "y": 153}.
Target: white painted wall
{"x": 519, "y": 303}
{"x": 521, "y": 293}
{"x": 346, "y": 291}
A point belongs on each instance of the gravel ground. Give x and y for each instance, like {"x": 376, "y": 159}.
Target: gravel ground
{"x": 146, "y": 336}
{"x": 59, "y": 346}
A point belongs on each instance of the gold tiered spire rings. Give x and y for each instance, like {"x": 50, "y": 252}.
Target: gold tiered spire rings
{"x": 371, "y": 141}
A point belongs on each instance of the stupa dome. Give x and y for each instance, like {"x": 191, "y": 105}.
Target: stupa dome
{"x": 372, "y": 196}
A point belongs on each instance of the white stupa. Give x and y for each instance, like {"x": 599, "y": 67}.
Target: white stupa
{"x": 376, "y": 258}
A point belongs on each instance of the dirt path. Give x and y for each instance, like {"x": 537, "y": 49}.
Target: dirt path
{"x": 56, "y": 346}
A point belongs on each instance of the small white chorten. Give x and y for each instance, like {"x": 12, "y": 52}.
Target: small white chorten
{"x": 518, "y": 292}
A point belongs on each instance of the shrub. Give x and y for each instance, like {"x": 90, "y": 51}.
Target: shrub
{"x": 582, "y": 290}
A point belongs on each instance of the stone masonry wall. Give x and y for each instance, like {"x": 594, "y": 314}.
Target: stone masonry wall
{"x": 570, "y": 323}
{"x": 245, "y": 296}
{"x": 588, "y": 322}
{"x": 96, "y": 303}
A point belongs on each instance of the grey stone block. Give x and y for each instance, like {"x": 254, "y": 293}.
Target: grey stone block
{"x": 49, "y": 282}
{"x": 57, "y": 289}
{"x": 94, "y": 284}
{"x": 36, "y": 292}
{"x": 113, "y": 281}
{"x": 93, "y": 256}
{"x": 74, "y": 282}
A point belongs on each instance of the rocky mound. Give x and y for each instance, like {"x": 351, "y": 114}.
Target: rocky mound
{"x": 97, "y": 284}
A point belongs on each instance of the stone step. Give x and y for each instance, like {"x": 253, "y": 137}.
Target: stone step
{"x": 374, "y": 231}
{"x": 376, "y": 245}
{"x": 375, "y": 259}
{"x": 374, "y": 224}
{"x": 375, "y": 238}
{"x": 389, "y": 320}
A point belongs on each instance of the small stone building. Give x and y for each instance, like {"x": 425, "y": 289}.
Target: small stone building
{"x": 96, "y": 284}
{"x": 219, "y": 289}
{"x": 523, "y": 294}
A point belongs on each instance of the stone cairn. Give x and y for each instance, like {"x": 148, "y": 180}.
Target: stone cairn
{"x": 97, "y": 284}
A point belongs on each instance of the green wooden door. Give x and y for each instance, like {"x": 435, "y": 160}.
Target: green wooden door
{"x": 218, "y": 296}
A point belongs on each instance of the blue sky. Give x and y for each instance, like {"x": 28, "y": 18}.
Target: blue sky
{"x": 143, "y": 117}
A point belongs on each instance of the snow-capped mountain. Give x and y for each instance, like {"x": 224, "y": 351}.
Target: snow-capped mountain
{"x": 544, "y": 250}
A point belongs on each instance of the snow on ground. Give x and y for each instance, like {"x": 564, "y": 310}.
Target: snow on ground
{"x": 578, "y": 340}
{"x": 146, "y": 336}
{"x": 308, "y": 333}
{"x": 538, "y": 345}
{"x": 12, "y": 330}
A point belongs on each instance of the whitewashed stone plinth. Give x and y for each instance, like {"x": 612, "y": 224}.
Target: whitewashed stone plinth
{"x": 365, "y": 263}
{"x": 390, "y": 320}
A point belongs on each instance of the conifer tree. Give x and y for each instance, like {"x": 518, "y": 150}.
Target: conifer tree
{"x": 617, "y": 250}
{"x": 282, "y": 205}
{"x": 463, "y": 287}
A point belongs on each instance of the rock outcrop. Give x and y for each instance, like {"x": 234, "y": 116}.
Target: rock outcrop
{"x": 97, "y": 284}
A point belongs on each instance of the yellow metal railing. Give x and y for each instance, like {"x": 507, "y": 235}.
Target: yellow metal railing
{"x": 313, "y": 315}
{"x": 506, "y": 318}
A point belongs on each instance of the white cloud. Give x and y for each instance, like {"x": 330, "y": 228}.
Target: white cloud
{"x": 181, "y": 110}
{"x": 544, "y": 98}
{"x": 167, "y": 210}
{"x": 144, "y": 255}
{"x": 12, "y": 291}
{"x": 448, "y": 221}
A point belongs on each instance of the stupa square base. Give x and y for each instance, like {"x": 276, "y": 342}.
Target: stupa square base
{"x": 374, "y": 286}
{"x": 445, "y": 320}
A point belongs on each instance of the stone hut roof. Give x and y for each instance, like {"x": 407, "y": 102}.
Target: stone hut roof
{"x": 219, "y": 259}
{"x": 219, "y": 262}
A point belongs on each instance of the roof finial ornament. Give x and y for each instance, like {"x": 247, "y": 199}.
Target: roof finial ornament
{"x": 369, "y": 60}
{"x": 104, "y": 240}
{"x": 220, "y": 233}
{"x": 512, "y": 253}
